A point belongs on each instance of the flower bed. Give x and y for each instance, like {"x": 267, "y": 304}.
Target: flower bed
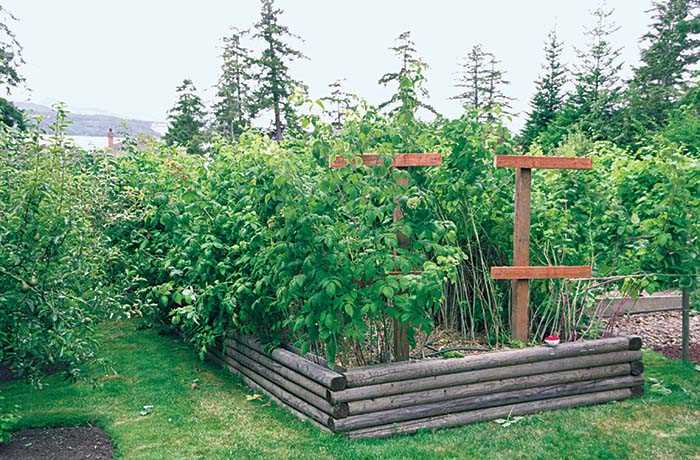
{"x": 404, "y": 397}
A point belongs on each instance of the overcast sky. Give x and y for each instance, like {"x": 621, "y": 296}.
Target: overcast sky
{"x": 126, "y": 57}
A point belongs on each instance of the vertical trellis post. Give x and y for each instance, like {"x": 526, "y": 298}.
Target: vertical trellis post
{"x": 402, "y": 161}
{"x": 521, "y": 272}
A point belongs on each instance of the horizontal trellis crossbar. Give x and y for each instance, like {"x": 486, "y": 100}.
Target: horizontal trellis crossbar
{"x": 541, "y": 162}
{"x": 401, "y": 160}
{"x": 540, "y": 273}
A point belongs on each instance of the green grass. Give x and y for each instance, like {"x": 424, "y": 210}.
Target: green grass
{"x": 216, "y": 420}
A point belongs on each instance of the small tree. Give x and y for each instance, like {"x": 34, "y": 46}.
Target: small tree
{"x": 275, "y": 82}
{"x": 495, "y": 81}
{"x": 410, "y": 80}
{"x": 186, "y": 119}
{"x": 10, "y": 53}
{"x": 233, "y": 110}
{"x": 338, "y": 103}
{"x": 10, "y": 61}
{"x": 481, "y": 81}
{"x": 597, "y": 95}
{"x": 672, "y": 49}
{"x": 549, "y": 97}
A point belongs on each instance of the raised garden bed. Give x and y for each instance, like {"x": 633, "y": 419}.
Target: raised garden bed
{"x": 383, "y": 400}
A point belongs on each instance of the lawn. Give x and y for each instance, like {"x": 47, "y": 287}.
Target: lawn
{"x": 220, "y": 418}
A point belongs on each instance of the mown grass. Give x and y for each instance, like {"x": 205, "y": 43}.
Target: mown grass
{"x": 218, "y": 420}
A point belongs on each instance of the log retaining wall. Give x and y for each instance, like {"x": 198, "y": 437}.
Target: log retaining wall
{"x": 396, "y": 398}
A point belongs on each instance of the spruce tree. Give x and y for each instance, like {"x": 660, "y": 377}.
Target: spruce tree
{"x": 549, "y": 97}
{"x": 10, "y": 77}
{"x": 10, "y": 53}
{"x": 338, "y": 103}
{"x": 672, "y": 49}
{"x": 595, "y": 102}
{"x": 233, "y": 109}
{"x": 481, "y": 82}
{"x": 275, "y": 84}
{"x": 410, "y": 94}
{"x": 186, "y": 119}
{"x": 495, "y": 81}
{"x": 473, "y": 79}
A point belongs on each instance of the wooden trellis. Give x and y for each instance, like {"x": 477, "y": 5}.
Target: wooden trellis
{"x": 402, "y": 161}
{"x": 521, "y": 271}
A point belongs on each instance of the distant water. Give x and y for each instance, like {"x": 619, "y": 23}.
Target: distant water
{"x": 92, "y": 142}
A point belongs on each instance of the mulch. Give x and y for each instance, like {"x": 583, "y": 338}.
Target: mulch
{"x": 660, "y": 332}
{"x": 69, "y": 443}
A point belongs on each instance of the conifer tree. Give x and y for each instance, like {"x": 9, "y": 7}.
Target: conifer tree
{"x": 672, "y": 49}
{"x": 233, "y": 109}
{"x": 410, "y": 80}
{"x": 495, "y": 81}
{"x": 186, "y": 119}
{"x": 275, "y": 82}
{"x": 549, "y": 97}
{"x": 473, "y": 79}
{"x": 10, "y": 53}
{"x": 595, "y": 102}
{"x": 338, "y": 103}
{"x": 10, "y": 77}
{"x": 481, "y": 81}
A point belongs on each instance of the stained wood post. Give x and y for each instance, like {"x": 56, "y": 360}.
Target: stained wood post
{"x": 521, "y": 254}
{"x": 521, "y": 271}
{"x": 401, "y": 161}
{"x": 685, "y": 344}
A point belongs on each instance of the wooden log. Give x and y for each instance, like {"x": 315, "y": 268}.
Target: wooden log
{"x": 542, "y": 162}
{"x": 326, "y": 377}
{"x": 278, "y": 368}
{"x": 364, "y": 406}
{"x": 483, "y": 375}
{"x": 283, "y": 395}
{"x": 463, "y": 418}
{"x": 410, "y": 370}
{"x": 482, "y": 401}
{"x": 522, "y": 272}
{"x": 254, "y": 386}
{"x": 636, "y": 368}
{"x": 635, "y": 342}
{"x": 339, "y": 410}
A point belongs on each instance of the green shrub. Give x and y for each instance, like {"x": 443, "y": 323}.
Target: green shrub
{"x": 52, "y": 252}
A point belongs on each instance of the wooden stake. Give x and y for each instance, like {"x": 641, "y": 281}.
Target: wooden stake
{"x": 401, "y": 346}
{"x": 521, "y": 254}
{"x": 400, "y": 161}
{"x": 685, "y": 339}
{"x": 521, "y": 272}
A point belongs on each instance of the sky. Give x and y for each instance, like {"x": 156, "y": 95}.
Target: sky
{"x": 127, "y": 57}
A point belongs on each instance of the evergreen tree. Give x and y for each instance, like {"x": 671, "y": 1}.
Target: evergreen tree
{"x": 549, "y": 97}
{"x": 481, "y": 81}
{"x": 10, "y": 53}
{"x": 495, "y": 81}
{"x": 186, "y": 119}
{"x": 410, "y": 80}
{"x": 473, "y": 79}
{"x": 10, "y": 61}
{"x": 338, "y": 103}
{"x": 275, "y": 83}
{"x": 233, "y": 110}
{"x": 596, "y": 99}
{"x": 672, "y": 49}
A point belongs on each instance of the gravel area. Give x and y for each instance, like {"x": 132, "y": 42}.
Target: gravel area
{"x": 69, "y": 443}
{"x": 660, "y": 331}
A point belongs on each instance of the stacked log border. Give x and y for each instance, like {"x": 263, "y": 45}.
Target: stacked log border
{"x": 397, "y": 398}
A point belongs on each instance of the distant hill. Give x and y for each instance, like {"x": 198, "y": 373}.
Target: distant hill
{"x": 91, "y": 125}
